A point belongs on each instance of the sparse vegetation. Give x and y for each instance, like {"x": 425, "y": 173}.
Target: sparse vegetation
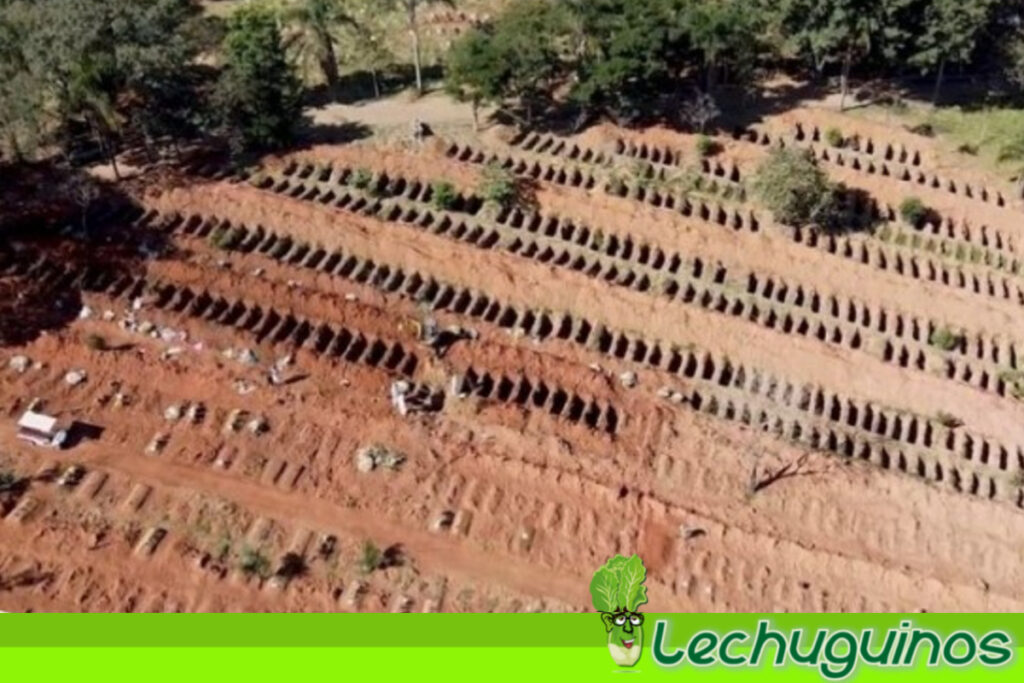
{"x": 981, "y": 132}
{"x": 225, "y": 238}
{"x": 617, "y": 186}
{"x": 1014, "y": 380}
{"x": 643, "y": 175}
{"x": 96, "y": 342}
{"x": 948, "y": 420}
{"x": 1012, "y": 152}
{"x": 222, "y": 550}
{"x": 254, "y": 563}
{"x": 370, "y": 557}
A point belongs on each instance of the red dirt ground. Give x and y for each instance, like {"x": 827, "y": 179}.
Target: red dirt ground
{"x": 727, "y": 470}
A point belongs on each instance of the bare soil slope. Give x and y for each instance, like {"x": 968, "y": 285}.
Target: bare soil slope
{"x": 762, "y": 413}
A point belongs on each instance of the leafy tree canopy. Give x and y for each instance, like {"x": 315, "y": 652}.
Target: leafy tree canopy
{"x": 629, "y": 49}
{"x": 258, "y": 96}
{"x": 793, "y": 187}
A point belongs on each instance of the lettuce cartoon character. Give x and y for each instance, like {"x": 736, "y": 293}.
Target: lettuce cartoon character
{"x": 618, "y": 590}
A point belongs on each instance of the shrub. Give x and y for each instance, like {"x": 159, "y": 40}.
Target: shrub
{"x": 1014, "y": 379}
{"x": 292, "y": 566}
{"x": 443, "y": 195}
{"x": 643, "y": 173}
{"x": 253, "y": 562}
{"x": 8, "y": 481}
{"x": 617, "y": 187}
{"x": 794, "y": 188}
{"x": 222, "y": 550}
{"x": 218, "y": 235}
{"x": 834, "y": 137}
{"x": 969, "y": 149}
{"x": 945, "y": 339}
{"x": 96, "y": 342}
{"x": 498, "y": 185}
{"x": 361, "y": 178}
{"x": 224, "y": 238}
{"x": 706, "y": 147}
{"x": 949, "y": 421}
{"x": 924, "y": 129}
{"x": 913, "y": 211}
{"x": 369, "y": 557}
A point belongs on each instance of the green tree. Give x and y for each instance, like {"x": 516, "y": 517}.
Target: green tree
{"x": 830, "y": 31}
{"x": 21, "y": 103}
{"x": 626, "y": 50}
{"x": 726, "y": 35}
{"x": 410, "y": 9}
{"x": 316, "y": 38}
{"x": 516, "y": 57}
{"x": 790, "y": 183}
{"x": 366, "y": 45}
{"x": 1013, "y": 59}
{"x": 949, "y": 33}
{"x": 110, "y": 66}
{"x": 258, "y": 96}
{"x": 474, "y": 71}
{"x": 71, "y": 46}
{"x": 162, "y": 87}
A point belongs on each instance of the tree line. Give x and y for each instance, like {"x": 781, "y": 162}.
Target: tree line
{"x": 82, "y": 77}
{"x": 87, "y": 77}
{"x": 614, "y": 56}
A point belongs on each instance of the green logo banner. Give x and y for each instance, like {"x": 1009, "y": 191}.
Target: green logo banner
{"x": 701, "y": 647}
